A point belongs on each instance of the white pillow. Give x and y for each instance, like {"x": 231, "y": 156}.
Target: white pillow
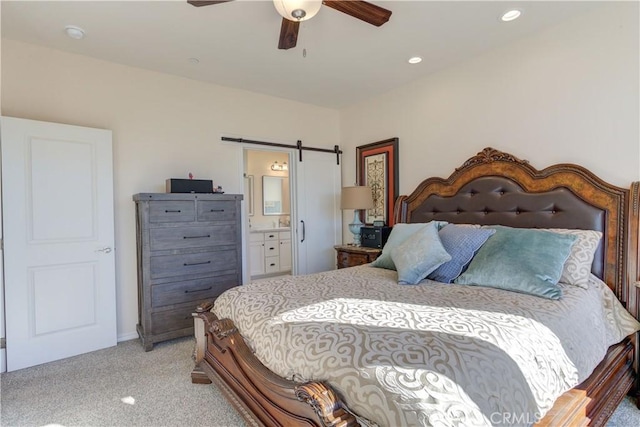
{"x": 577, "y": 268}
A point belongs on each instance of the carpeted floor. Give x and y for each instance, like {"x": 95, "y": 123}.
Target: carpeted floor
{"x": 117, "y": 386}
{"x": 126, "y": 386}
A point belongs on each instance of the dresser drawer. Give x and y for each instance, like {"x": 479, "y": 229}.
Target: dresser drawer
{"x": 190, "y": 264}
{"x": 272, "y": 264}
{"x": 214, "y": 210}
{"x": 172, "y": 320}
{"x": 285, "y": 235}
{"x": 172, "y": 211}
{"x": 192, "y": 237}
{"x": 271, "y": 248}
{"x": 273, "y": 235}
{"x": 191, "y": 290}
{"x": 351, "y": 259}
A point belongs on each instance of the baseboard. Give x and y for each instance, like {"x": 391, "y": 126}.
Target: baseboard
{"x": 127, "y": 337}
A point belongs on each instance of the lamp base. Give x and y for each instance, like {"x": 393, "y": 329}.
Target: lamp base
{"x": 355, "y": 227}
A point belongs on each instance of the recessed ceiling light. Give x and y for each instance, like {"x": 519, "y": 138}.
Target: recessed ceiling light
{"x": 510, "y": 15}
{"x": 74, "y": 32}
{"x": 415, "y": 60}
{"x": 193, "y": 60}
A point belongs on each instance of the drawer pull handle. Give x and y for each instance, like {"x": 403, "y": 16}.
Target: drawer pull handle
{"x": 198, "y": 290}
{"x": 172, "y": 211}
{"x": 217, "y": 210}
{"x": 272, "y": 265}
{"x": 271, "y": 249}
{"x": 186, "y": 264}
{"x": 197, "y": 237}
{"x": 271, "y": 235}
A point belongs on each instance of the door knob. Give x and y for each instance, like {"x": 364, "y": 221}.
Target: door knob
{"x": 106, "y": 250}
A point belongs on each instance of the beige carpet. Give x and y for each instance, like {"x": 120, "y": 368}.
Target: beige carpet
{"x": 118, "y": 386}
{"x": 126, "y": 386}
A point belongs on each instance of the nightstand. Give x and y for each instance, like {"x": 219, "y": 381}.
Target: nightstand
{"x": 350, "y": 255}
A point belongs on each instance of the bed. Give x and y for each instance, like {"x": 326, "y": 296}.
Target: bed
{"x": 270, "y": 382}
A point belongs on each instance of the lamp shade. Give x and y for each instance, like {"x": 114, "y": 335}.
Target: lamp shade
{"x": 356, "y": 198}
{"x": 297, "y": 10}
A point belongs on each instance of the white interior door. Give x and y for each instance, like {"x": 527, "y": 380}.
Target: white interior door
{"x": 57, "y": 189}
{"x": 318, "y": 216}
{"x": 3, "y": 352}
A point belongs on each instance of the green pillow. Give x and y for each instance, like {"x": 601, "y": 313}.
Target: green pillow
{"x": 419, "y": 255}
{"x": 522, "y": 260}
{"x": 399, "y": 233}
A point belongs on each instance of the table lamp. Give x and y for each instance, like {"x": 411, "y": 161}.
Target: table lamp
{"x": 356, "y": 198}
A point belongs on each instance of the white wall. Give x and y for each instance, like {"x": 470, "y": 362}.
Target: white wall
{"x": 568, "y": 94}
{"x": 163, "y": 127}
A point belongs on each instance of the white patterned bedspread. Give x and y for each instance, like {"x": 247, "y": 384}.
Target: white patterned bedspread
{"x": 432, "y": 354}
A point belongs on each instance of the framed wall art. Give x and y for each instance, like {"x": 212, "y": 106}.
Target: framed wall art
{"x": 377, "y": 167}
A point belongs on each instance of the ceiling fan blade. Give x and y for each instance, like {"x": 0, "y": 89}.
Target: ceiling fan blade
{"x": 365, "y": 11}
{"x": 205, "y": 3}
{"x": 288, "y": 34}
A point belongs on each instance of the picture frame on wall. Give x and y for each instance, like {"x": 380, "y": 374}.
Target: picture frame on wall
{"x": 377, "y": 167}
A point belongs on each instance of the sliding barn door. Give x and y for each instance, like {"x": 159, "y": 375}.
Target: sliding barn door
{"x": 57, "y": 190}
{"x": 318, "y": 216}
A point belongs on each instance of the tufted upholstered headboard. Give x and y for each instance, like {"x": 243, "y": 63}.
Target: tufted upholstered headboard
{"x": 494, "y": 187}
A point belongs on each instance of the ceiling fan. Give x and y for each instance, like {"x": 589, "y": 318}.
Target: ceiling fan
{"x": 295, "y": 11}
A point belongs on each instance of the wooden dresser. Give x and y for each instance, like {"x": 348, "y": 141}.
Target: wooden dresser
{"x": 350, "y": 255}
{"x": 189, "y": 251}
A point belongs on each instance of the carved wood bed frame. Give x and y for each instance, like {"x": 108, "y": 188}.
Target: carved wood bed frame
{"x": 263, "y": 398}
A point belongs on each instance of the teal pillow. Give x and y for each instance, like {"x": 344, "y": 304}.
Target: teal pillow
{"x": 399, "y": 233}
{"x": 419, "y": 255}
{"x": 522, "y": 260}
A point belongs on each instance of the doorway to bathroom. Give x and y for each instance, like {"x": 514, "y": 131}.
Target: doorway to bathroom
{"x": 293, "y": 217}
{"x": 268, "y": 201}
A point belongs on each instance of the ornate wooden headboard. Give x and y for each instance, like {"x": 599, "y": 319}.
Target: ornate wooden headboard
{"x": 494, "y": 187}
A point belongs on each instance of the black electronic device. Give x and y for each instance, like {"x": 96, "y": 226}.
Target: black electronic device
{"x": 189, "y": 185}
{"x": 374, "y": 237}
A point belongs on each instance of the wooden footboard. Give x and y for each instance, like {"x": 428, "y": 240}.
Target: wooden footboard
{"x": 263, "y": 398}
{"x": 594, "y": 401}
{"x": 260, "y": 396}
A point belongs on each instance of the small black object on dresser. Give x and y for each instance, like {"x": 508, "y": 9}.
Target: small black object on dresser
{"x": 189, "y": 185}
{"x": 189, "y": 252}
{"x": 374, "y": 237}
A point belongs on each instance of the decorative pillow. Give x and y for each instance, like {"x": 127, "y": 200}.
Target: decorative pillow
{"x": 399, "y": 233}
{"x": 461, "y": 242}
{"x": 419, "y": 255}
{"x": 577, "y": 268}
{"x": 522, "y": 260}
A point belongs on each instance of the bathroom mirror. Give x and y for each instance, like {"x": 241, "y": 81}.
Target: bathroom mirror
{"x": 275, "y": 195}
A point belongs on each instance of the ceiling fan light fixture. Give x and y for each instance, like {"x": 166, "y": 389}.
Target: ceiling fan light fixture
{"x": 297, "y": 10}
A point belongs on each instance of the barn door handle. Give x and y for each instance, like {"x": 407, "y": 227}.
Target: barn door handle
{"x": 303, "y": 231}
